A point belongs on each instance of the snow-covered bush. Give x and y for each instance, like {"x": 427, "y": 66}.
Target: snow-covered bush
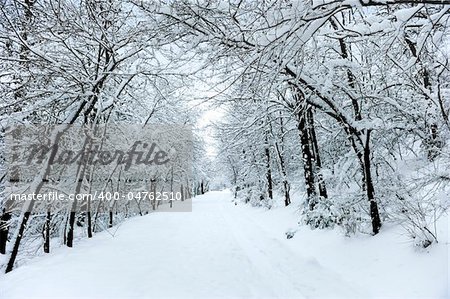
{"x": 337, "y": 211}
{"x": 254, "y": 196}
{"x": 321, "y": 216}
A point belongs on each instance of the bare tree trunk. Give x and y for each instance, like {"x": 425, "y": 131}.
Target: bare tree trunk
{"x": 188, "y": 190}
{"x": 6, "y": 215}
{"x": 72, "y": 215}
{"x": 15, "y": 250}
{"x": 26, "y": 215}
{"x": 89, "y": 218}
{"x": 110, "y": 224}
{"x": 47, "y": 231}
{"x": 182, "y": 192}
{"x": 364, "y": 158}
{"x": 315, "y": 150}
{"x": 4, "y": 230}
{"x": 374, "y": 214}
{"x": 71, "y": 223}
{"x": 268, "y": 169}
{"x": 307, "y": 158}
{"x": 89, "y": 224}
{"x": 363, "y": 155}
{"x": 19, "y": 96}
{"x": 286, "y": 186}
{"x": 153, "y": 190}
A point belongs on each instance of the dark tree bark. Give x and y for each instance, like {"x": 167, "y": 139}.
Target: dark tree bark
{"x": 47, "y": 232}
{"x": 286, "y": 186}
{"x": 19, "y": 96}
{"x": 315, "y": 149}
{"x": 89, "y": 224}
{"x": 110, "y": 224}
{"x": 14, "y": 176}
{"x": 4, "y": 230}
{"x": 153, "y": 190}
{"x": 71, "y": 223}
{"x": 279, "y": 149}
{"x": 15, "y": 250}
{"x": 268, "y": 169}
{"x": 354, "y": 136}
{"x": 89, "y": 218}
{"x": 364, "y": 154}
{"x": 72, "y": 215}
{"x": 26, "y": 216}
{"x": 182, "y": 192}
{"x": 374, "y": 214}
{"x": 187, "y": 190}
{"x": 307, "y": 159}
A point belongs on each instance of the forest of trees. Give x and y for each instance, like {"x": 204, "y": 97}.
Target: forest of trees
{"x": 344, "y": 103}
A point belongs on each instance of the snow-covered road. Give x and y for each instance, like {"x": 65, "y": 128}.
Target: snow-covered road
{"x": 216, "y": 251}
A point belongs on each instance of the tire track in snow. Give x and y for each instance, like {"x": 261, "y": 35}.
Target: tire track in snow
{"x": 277, "y": 282}
{"x": 291, "y": 275}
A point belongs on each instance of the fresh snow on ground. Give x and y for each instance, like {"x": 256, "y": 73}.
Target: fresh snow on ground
{"x": 223, "y": 250}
